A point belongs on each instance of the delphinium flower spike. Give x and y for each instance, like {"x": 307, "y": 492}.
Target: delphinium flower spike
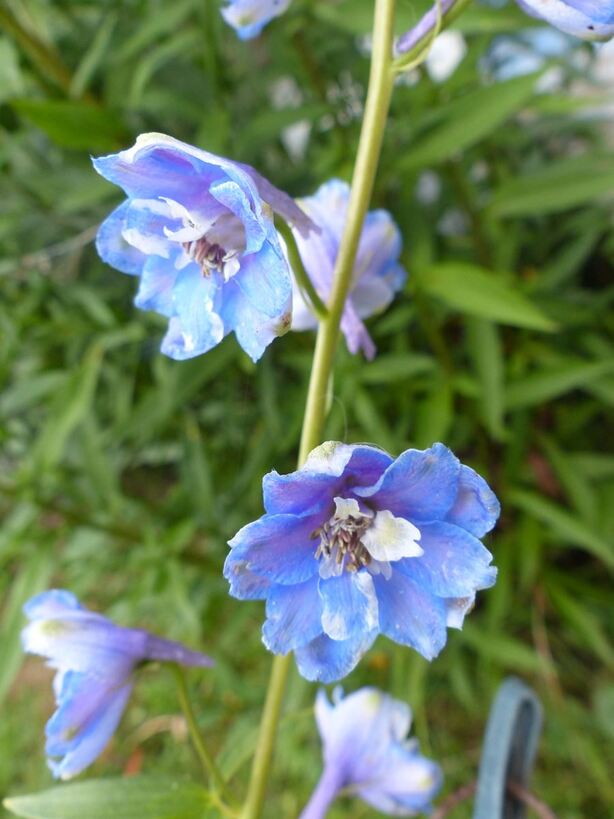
{"x": 377, "y": 273}
{"x": 366, "y": 753}
{"x": 95, "y": 660}
{"x": 249, "y": 17}
{"x": 197, "y": 229}
{"x": 357, "y": 543}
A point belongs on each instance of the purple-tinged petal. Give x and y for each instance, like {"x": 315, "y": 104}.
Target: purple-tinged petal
{"x": 355, "y": 332}
{"x": 278, "y": 547}
{"x": 325, "y": 660}
{"x": 169, "y": 651}
{"x": 410, "y": 615}
{"x": 91, "y": 740}
{"x": 113, "y": 248}
{"x": 425, "y": 25}
{"x": 476, "y": 507}
{"x": 51, "y": 603}
{"x": 301, "y": 492}
{"x": 349, "y": 605}
{"x": 454, "y": 563}
{"x": 293, "y": 617}
{"x": 278, "y": 200}
{"x": 419, "y": 485}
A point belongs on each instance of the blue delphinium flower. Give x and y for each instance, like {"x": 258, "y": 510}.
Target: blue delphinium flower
{"x": 587, "y": 19}
{"x": 95, "y": 661}
{"x": 367, "y": 753}
{"x": 356, "y": 543}
{"x": 249, "y": 17}
{"x": 198, "y": 231}
{"x": 377, "y": 274}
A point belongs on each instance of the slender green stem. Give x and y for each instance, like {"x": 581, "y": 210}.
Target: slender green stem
{"x": 300, "y": 274}
{"x": 376, "y": 111}
{"x": 210, "y": 768}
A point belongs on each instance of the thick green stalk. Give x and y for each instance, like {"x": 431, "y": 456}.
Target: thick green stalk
{"x": 372, "y": 132}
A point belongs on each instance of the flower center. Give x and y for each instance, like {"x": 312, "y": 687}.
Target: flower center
{"x": 340, "y": 538}
{"x": 211, "y": 256}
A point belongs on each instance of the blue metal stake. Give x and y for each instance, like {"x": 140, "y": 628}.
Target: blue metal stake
{"x": 510, "y": 746}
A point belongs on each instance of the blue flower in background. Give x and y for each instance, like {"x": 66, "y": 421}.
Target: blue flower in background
{"x": 95, "y": 660}
{"x": 356, "y": 543}
{"x": 377, "y": 273}
{"x": 249, "y": 17}
{"x": 587, "y": 19}
{"x": 366, "y": 753}
{"x": 198, "y": 231}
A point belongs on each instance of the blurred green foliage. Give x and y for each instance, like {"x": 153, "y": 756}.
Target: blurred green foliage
{"x": 124, "y": 473}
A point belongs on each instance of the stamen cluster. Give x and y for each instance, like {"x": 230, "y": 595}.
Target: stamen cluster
{"x": 340, "y": 541}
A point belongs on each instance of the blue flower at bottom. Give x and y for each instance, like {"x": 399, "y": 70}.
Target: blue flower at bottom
{"x": 356, "y": 543}
{"x": 366, "y": 753}
{"x": 197, "y": 229}
{"x": 249, "y": 17}
{"x": 587, "y": 19}
{"x": 95, "y": 661}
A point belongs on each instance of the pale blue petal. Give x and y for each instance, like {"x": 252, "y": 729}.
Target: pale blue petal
{"x": 113, "y": 248}
{"x": 476, "y": 507}
{"x": 410, "y": 615}
{"x": 293, "y": 617}
{"x": 196, "y": 327}
{"x": 403, "y": 781}
{"x": 254, "y": 330}
{"x": 249, "y": 17}
{"x": 349, "y": 605}
{"x": 156, "y": 285}
{"x": 454, "y": 563}
{"x": 421, "y": 485}
{"x": 277, "y": 547}
{"x": 51, "y": 603}
{"x": 264, "y": 279}
{"x": 587, "y": 19}
{"x": 325, "y": 660}
{"x": 230, "y": 194}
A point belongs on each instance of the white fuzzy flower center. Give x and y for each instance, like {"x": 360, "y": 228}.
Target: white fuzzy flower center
{"x": 357, "y": 538}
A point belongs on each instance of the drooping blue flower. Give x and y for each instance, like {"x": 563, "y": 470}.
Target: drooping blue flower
{"x": 95, "y": 660}
{"x": 377, "y": 273}
{"x": 197, "y": 229}
{"x": 249, "y": 17}
{"x": 587, "y": 19}
{"x": 356, "y": 543}
{"x": 367, "y": 753}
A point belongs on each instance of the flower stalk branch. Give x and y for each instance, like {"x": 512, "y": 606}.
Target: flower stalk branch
{"x": 381, "y": 80}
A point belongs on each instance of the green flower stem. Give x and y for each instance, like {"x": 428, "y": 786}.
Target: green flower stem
{"x": 376, "y": 111}
{"x": 300, "y": 274}
{"x": 210, "y": 768}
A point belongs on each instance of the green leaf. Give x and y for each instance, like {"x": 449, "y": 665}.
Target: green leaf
{"x": 465, "y": 121}
{"x": 77, "y": 125}
{"x": 545, "y": 385}
{"x": 555, "y": 187}
{"x": 132, "y": 798}
{"x": 484, "y": 346}
{"x": 482, "y": 293}
{"x": 567, "y": 527}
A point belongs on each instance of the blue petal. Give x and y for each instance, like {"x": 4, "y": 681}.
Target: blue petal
{"x": 349, "y": 605}
{"x": 89, "y": 743}
{"x": 169, "y": 651}
{"x": 277, "y": 547}
{"x": 293, "y": 617}
{"x": 113, "y": 248}
{"x": 249, "y": 17}
{"x": 254, "y": 330}
{"x": 410, "y": 615}
{"x": 454, "y": 563}
{"x": 476, "y": 507}
{"x": 325, "y": 660}
{"x": 331, "y": 470}
{"x": 421, "y": 485}
{"x": 156, "y": 286}
{"x": 195, "y": 328}
{"x": 51, "y": 603}
{"x": 587, "y": 19}
{"x": 264, "y": 279}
